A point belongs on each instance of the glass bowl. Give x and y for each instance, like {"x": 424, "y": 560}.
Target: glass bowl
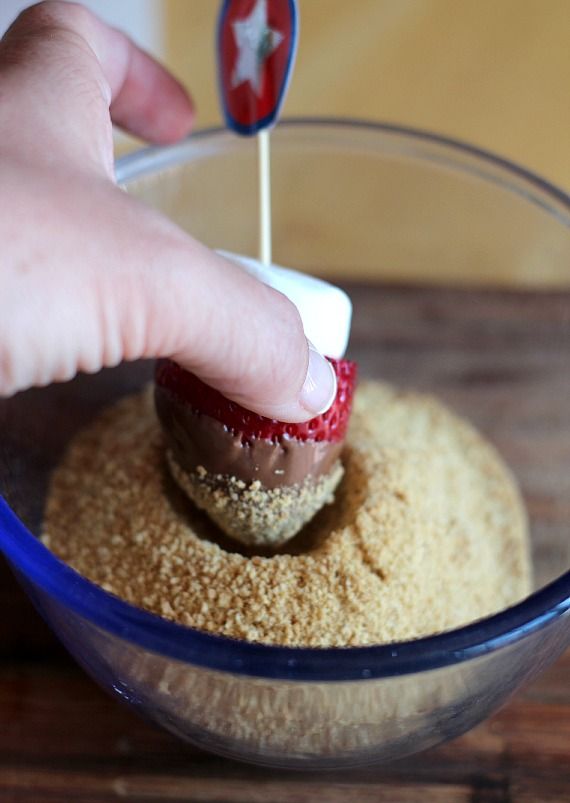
{"x": 364, "y": 203}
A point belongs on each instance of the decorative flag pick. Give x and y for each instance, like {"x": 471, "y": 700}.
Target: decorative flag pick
{"x": 257, "y": 41}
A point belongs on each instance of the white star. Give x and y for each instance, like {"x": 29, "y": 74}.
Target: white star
{"x": 255, "y": 42}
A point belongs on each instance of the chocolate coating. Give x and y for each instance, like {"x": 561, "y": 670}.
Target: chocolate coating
{"x": 199, "y": 440}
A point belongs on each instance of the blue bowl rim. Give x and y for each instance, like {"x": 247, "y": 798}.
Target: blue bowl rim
{"x": 36, "y": 565}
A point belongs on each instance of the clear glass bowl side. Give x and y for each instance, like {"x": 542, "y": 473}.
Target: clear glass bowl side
{"x": 285, "y": 723}
{"x": 413, "y": 206}
{"x": 434, "y": 211}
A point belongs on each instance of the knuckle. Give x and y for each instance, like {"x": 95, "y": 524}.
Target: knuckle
{"x": 56, "y": 13}
{"x": 53, "y": 37}
{"x": 287, "y": 321}
{"x": 38, "y": 28}
{"x": 285, "y": 349}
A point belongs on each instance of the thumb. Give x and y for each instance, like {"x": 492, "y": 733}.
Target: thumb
{"x": 108, "y": 278}
{"x": 239, "y": 335}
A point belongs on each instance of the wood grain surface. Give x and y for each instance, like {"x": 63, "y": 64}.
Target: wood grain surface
{"x": 63, "y": 739}
{"x": 499, "y": 357}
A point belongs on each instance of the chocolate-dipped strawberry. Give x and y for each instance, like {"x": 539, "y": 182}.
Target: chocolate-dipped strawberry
{"x": 259, "y": 479}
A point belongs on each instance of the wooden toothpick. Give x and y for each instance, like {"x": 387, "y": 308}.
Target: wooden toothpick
{"x": 264, "y": 170}
{"x": 256, "y": 46}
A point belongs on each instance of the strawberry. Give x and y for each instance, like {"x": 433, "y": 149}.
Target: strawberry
{"x": 260, "y": 480}
{"x": 201, "y": 398}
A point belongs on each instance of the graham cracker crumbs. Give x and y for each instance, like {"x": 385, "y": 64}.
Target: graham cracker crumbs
{"x": 251, "y": 513}
{"x": 427, "y": 532}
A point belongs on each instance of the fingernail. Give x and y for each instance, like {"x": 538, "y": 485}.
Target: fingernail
{"x": 319, "y": 389}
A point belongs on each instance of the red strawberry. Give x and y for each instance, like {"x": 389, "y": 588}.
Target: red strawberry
{"x": 201, "y": 398}
{"x": 259, "y": 480}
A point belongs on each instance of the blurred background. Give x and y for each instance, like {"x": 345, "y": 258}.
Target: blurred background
{"x": 495, "y": 73}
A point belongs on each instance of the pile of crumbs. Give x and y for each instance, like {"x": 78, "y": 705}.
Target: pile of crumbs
{"x": 427, "y": 532}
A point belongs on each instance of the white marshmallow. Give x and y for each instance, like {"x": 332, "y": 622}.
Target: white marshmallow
{"x": 325, "y": 310}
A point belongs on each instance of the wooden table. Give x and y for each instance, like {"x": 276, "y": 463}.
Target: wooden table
{"x": 62, "y": 739}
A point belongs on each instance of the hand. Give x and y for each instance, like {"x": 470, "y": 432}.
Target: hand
{"x": 90, "y": 276}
